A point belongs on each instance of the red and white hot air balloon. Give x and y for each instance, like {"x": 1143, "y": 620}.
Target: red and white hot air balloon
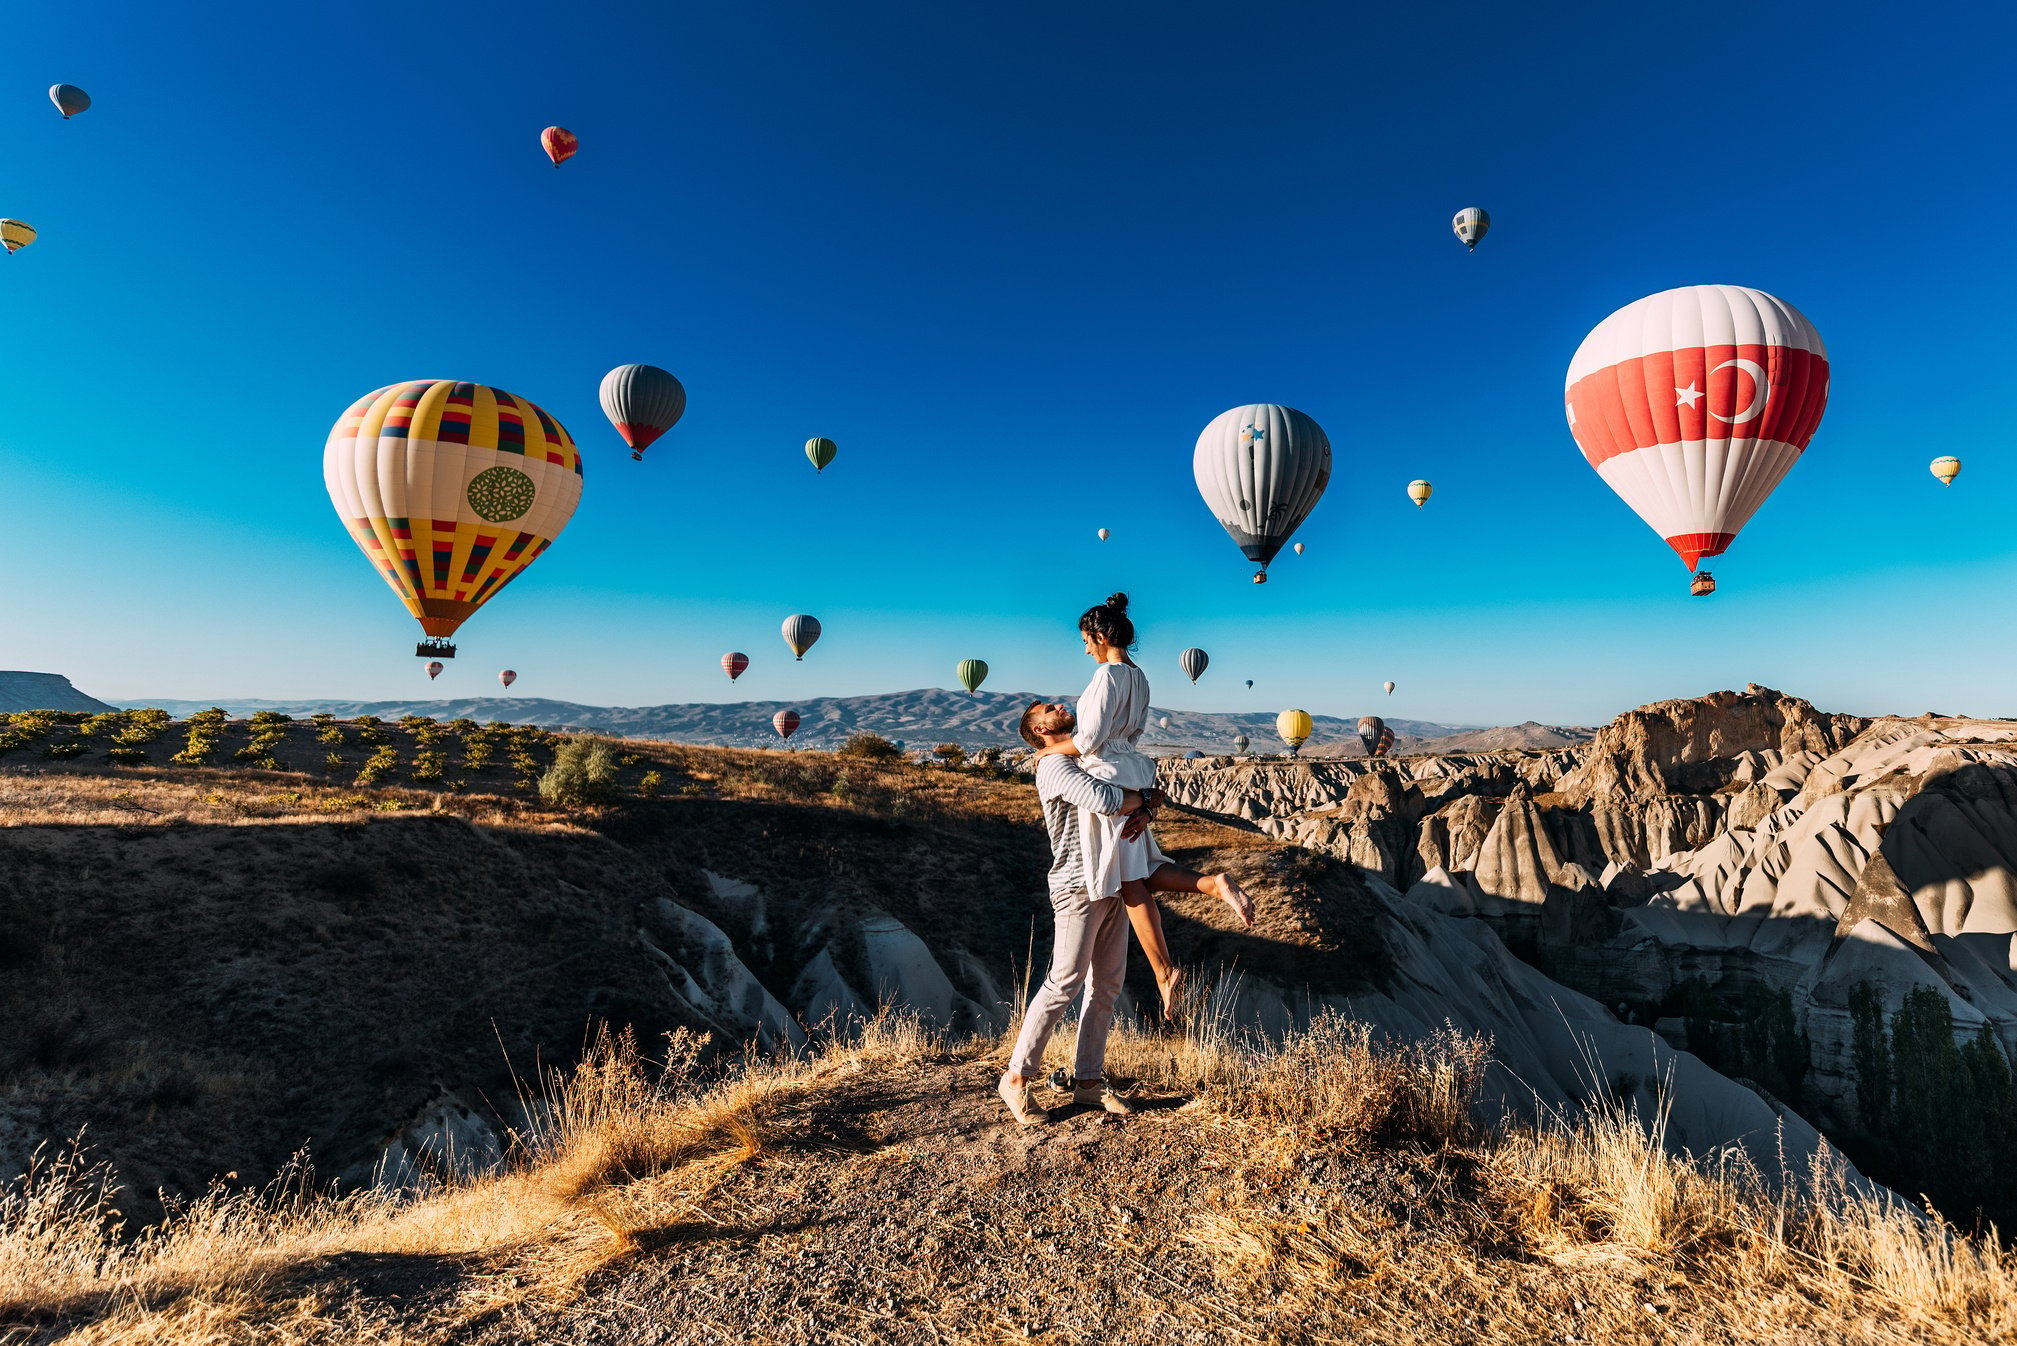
{"x": 784, "y": 722}
{"x": 1692, "y": 404}
{"x": 733, "y": 663}
{"x": 434, "y": 667}
{"x": 508, "y": 676}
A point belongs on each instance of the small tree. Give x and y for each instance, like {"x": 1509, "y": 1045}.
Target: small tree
{"x": 583, "y": 774}
{"x": 952, "y": 754}
{"x": 874, "y": 747}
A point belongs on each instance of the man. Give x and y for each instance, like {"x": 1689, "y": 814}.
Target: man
{"x": 1089, "y": 949}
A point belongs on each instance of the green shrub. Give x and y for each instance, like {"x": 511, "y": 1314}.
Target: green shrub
{"x": 629, "y": 759}
{"x": 63, "y": 752}
{"x": 370, "y": 729}
{"x": 380, "y": 764}
{"x": 428, "y": 764}
{"x": 331, "y": 734}
{"x": 333, "y": 761}
{"x": 650, "y": 783}
{"x": 583, "y": 774}
{"x": 126, "y": 756}
{"x": 269, "y": 719}
{"x": 874, "y": 747}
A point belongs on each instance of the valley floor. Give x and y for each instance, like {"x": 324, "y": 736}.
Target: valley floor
{"x": 1317, "y": 1191}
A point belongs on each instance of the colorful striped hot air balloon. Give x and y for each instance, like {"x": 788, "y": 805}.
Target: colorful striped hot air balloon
{"x": 451, "y": 490}
{"x": 972, "y": 673}
{"x": 16, "y": 235}
{"x": 508, "y": 676}
{"x": 800, "y": 631}
{"x": 1694, "y": 403}
{"x": 1294, "y": 726}
{"x": 1946, "y": 469}
{"x": 1375, "y": 735}
{"x": 733, "y": 663}
{"x": 1193, "y": 662}
{"x": 820, "y": 452}
{"x": 1419, "y": 492}
{"x": 1470, "y": 225}
{"x": 1262, "y": 469}
{"x": 559, "y": 144}
{"x": 642, "y": 402}
{"x": 785, "y": 721}
{"x": 434, "y": 668}
{"x": 69, "y": 99}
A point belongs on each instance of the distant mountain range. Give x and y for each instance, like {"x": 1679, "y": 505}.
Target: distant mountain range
{"x": 43, "y": 691}
{"x": 918, "y": 719}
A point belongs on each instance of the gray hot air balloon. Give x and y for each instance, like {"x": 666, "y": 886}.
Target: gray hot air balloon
{"x": 800, "y": 631}
{"x": 1193, "y": 661}
{"x": 1470, "y": 226}
{"x": 642, "y": 402}
{"x": 1164, "y": 722}
{"x": 69, "y": 99}
{"x": 1240, "y": 742}
{"x": 1261, "y": 470}
{"x": 1373, "y": 732}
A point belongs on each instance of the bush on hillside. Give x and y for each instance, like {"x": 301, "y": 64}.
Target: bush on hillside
{"x": 874, "y": 747}
{"x": 952, "y": 754}
{"x": 583, "y": 774}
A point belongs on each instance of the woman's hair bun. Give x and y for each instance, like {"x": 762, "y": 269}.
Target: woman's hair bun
{"x": 1118, "y": 602}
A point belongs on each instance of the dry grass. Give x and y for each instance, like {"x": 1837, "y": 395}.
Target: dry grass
{"x": 1340, "y": 1189}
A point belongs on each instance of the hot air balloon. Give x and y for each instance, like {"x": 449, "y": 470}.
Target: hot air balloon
{"x": 1261, "y": 469}
{"x": 1193, "y": 662}
{"x": 1389, "y": 686}
{"x": 1240, "y": 742}
{"x": 1693, "y": 403}
{"x": 1373, "y": 732}
{"x": 821, "y": 452}
{"x": 16, "y": 235}
{"x": 434, "y": 668}
{"x": 733, "y": 663}
{"x": 1103, "y": 535}
{"x": 451, "y": 490}
{"x": 69, "y": 99}
{"x": 1294, "y": 726}
{"x": 785, "y": 721}
{"x": 972, "y": 673}
{"x": 1419, "y": 492}
{"x": 1470, "y": 225}
{"x": 507, "y": 677}
{"x": 1299, "y": 549}
{"x": 1702, "y": 585}
{"x": 560, "y": 144}
{"x": 800, "y": 631}
{"x": 1250, "y": 684}
{"x": 642, "y": 402}
{"x": 1946, "y": 469}
{"x": 1164, "y": 722}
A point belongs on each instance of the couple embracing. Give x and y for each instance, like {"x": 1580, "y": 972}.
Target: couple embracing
{"x": 1097, "y": 791}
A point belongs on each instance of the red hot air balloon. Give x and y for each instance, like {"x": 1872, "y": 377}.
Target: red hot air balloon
{"x": 1692, "y": 404}
{"x": 784, "y": 722}
{"x": 508, "y": 676}
{"x": 559, "y": 143}
{"x": 434, "y": 668}
{"x": 733, "y": 663}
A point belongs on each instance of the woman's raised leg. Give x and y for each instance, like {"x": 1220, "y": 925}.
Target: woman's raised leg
{"x": 1174, "y": 878}
{"x": 1147, "y": 919}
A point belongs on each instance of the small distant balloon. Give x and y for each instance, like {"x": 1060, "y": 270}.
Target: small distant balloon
{"x": 1250, "y": 684}
{"x": 16, "y": 234}
{"x": 972, "y": 673}
{"x": 642, "y": 402}
{"x": 1299, "y": 549}
{"x": 1946, "y": 469}
{"x": 69, "y": 99}
{"x": 1164, "y": 722}
{"x": 559, "y": 143}
{"x": 1240, "y": 742}
{"x": 821, "y": 452}
{"x": 434, "y": 667}
{"x": 1470, "y": 225}
{"x": 733, "y": 663}
{"x": 1193, "y": 662}
{"x": 800, "y": 631}
{"x": 1419, "y": 492}
{"x": 785, "y": 721}
{"x": 508, "y": 676}
{"x": 1389, "y": 686}
{"x": 1104, "y": 535}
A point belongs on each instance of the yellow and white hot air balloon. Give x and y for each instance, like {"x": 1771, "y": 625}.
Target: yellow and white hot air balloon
{"x": 1946, "y": 469}
{"x": 451, "y": 490}
{"x": 16, "y": 234}
{"x": 1419, "y": 492}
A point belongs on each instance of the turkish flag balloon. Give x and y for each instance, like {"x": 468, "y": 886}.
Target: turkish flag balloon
{"x": 1692, "y": 404}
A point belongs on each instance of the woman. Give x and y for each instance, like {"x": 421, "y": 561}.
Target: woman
{"x": 1112, "y": 713}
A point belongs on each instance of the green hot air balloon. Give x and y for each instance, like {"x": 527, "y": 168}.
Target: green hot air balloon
{"x": 972, "y": 673}
{"x": 821, "y": 451}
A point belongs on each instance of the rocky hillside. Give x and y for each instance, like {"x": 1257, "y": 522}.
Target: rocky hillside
{"x": 920, "y": 719}
{"x": 43, "y": 691}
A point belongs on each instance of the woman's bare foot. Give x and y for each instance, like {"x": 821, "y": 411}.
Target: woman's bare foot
{"x": 1227, "y": 889}
{"x": 1171, "y": 987}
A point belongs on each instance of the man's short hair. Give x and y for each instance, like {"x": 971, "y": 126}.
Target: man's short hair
{"x": 1028, "y": 725}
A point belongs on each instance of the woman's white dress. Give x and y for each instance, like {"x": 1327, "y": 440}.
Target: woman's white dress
{"x": 1112, "y": 713}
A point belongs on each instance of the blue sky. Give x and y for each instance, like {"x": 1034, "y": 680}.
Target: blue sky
{"x": 1012, "y": 259}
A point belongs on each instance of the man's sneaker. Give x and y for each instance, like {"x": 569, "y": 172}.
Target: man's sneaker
{"x": 1022, "y": 1102}
{"x": 1101, "y": 1096}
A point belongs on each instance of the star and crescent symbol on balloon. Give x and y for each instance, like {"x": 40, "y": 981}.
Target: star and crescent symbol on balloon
{"x": 1761, "y": 390}
{"x": 1687, "y": 396}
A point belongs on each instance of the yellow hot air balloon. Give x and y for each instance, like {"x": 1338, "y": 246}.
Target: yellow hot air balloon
{"x": 1419, "y": 492}
{"x": 16, "y": 235}
{"x": 1946, "y": 469}
{"x": 1294, "y": 726}
{"x": 451, "y": 490}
